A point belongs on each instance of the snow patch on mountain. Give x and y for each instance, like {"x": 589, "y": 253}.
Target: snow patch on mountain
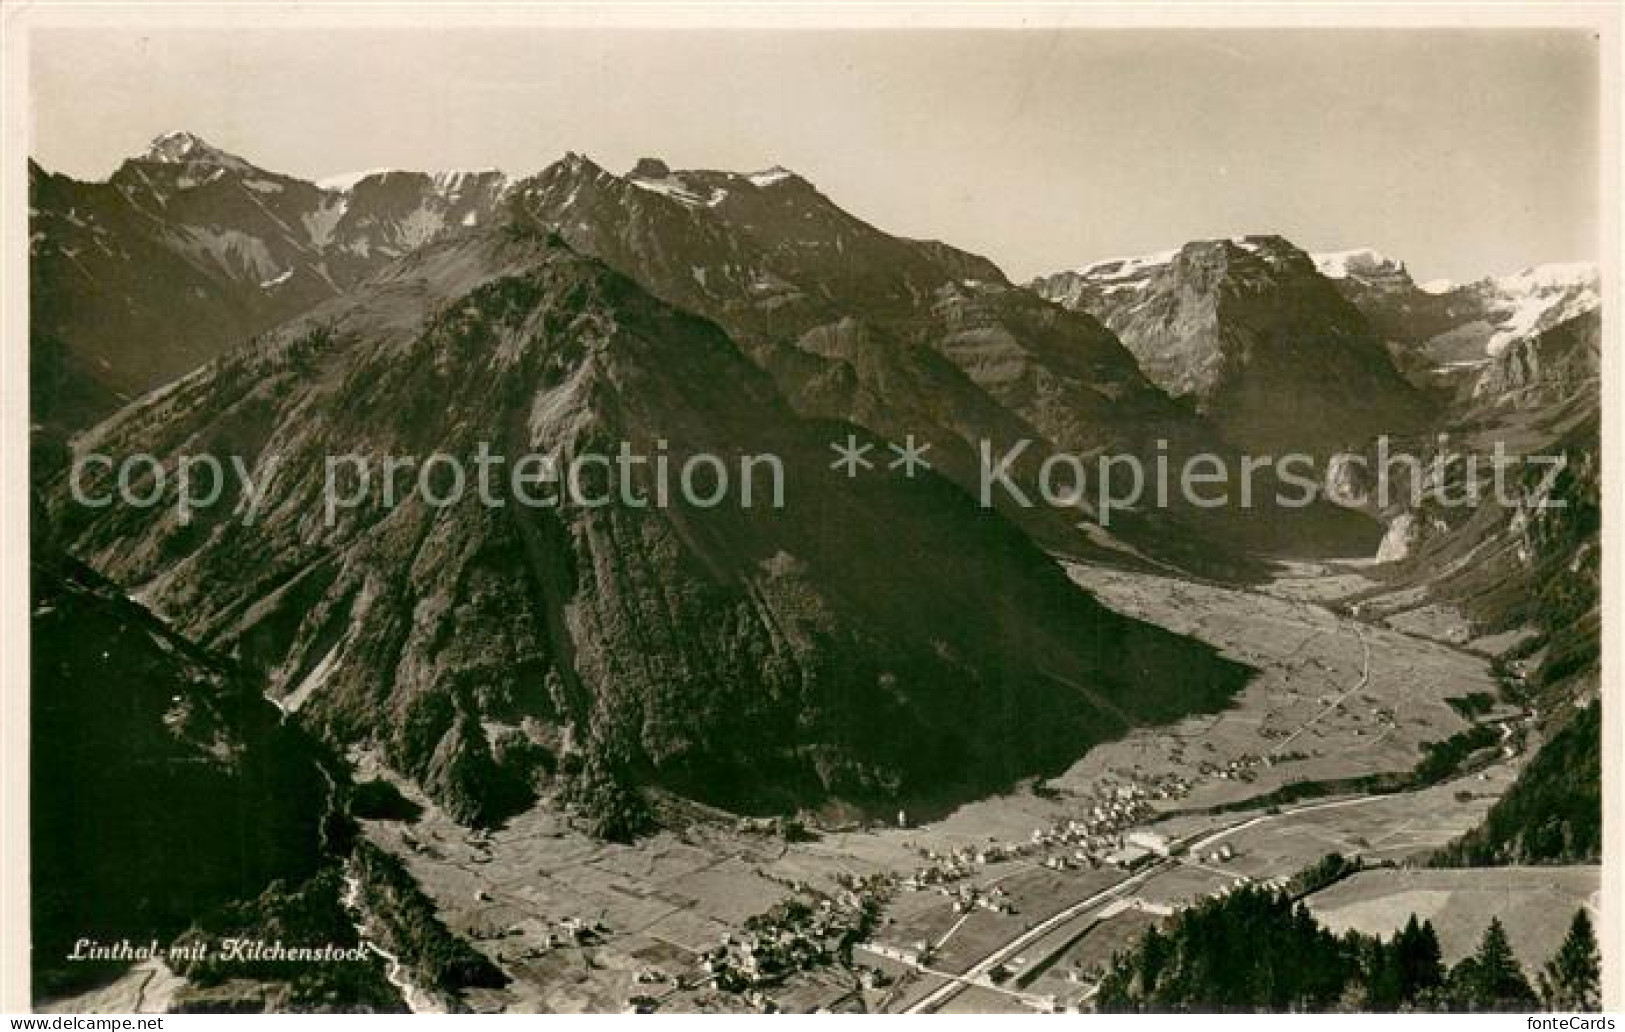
{"x": 767, "y": 177}
{"x": 1551, "y": 276}
{"x": 1359, "y": 264}
{"x": 321, "y": 222}
{"x": 674, "y": 186}
{"x": 184, "y": 148}
{"x": 1539, "y": 298}
{"x": 236, "y": 253}
{"x": 346, "y": 181}
{"x": 1126, "y": 268}
{"x": 418, "y": 228}
{"x": 453, "y": 182}
{"x": 1343, "y": 264}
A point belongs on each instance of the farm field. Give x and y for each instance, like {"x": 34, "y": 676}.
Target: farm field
{"x": 1335, "y": 698}
{"x": 1074, "y": 954}
{"x": 1535, "y": 903}
{"x": 1394, "y": 828}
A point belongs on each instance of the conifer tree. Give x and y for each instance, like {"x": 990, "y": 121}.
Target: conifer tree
{"x": 1572, "y": 980}
{"x": 1491, "y": 979}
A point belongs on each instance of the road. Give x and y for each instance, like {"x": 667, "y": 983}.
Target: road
{"x": 981, "y": 968}
{"x": 1011, "y": 948}
{"x": 1365, "y": 679}
{"x": 1194, "y": 844}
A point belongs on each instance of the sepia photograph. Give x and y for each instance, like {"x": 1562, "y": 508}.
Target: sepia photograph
{"x": 911, "y": 509}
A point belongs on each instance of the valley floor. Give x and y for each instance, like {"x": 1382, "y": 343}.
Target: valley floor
{"x": 1010, "y": 903}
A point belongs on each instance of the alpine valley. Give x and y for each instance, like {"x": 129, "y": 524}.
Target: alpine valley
{"x": 886, "y": 746}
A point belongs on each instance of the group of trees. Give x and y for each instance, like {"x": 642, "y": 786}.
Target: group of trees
{"x": 1259, "y": 950}
{"x": 1553, "y": 813}
{"x": 405, "y": 923}
{"x": 1492, "y": 980}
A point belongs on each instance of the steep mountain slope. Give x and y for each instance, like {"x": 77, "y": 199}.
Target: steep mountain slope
{"x": 817, "y": 295}
{"x": 1254, "y": 337}
{"x": 187, "y": 249}
{"x": 1533, "y": 562}
{"x": 162, "y": 783}
{"x": 906, "y": 338}
{"x": 1553, "y": 813}
{"x": 754, "y": 657}
{"x": 1539, "y": 567}
{"x": 1527, "y": 573}
{"x": 1544, "y": 368}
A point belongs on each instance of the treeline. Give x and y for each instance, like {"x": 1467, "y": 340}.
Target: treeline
{"x": 1552, "y": 814}
{"x": 1258, "y": 950}
{"x": 405, "y": 924}
{"x": 312, "y": 914}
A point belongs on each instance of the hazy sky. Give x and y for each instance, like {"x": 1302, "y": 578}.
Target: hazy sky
{"x": 1461, "y": 152}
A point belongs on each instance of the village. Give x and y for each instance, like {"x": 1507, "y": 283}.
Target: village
{"x": 1015, "y": 902}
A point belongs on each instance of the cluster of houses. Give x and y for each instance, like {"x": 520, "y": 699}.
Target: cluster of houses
{"x": 1242, "y": 768}
{"x": 943, "y": 869}
{"x": 566, "y": 932}
{"x": 1090, "y": 840}
{"x": 793, "y": 936}
{"x": 972, "y": 897}
{"x": 1220, "y": 854}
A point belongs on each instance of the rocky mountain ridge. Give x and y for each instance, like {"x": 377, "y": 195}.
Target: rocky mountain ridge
{"x": 1449, "y": 337}
{"x": 186, "y": 250}
{"x": 756, "y": 659}
{"x": 1250, "y": 332}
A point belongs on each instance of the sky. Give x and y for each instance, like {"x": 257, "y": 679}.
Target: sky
{"x": 1463, "y": 153}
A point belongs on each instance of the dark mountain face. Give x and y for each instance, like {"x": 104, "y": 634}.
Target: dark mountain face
{"x": 1255, "y": 338}
{"x": 756, "y": 658}
{"x": 903, "y": 337}
{"x": 815, "y": 294}
{"x": 162, "y": 783}
{"x": 1544, "y": 369}
{"x": 187, "y": 249}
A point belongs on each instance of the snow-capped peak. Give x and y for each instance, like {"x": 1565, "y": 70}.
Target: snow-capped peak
{"x": 769, "y": 176}
{"x": 184, "y": 148}
{"x": 1551, "y": 276}
{"x": 447, "y": 181}
{"x": 1357, "y": 261}
{"x": 346, "y": 181}
{"x": 1538, "y": 298}
{"x": 1126, "y": 268}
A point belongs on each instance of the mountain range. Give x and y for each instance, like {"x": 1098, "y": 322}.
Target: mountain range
{"x": 1467, "y": 337}
{"x": 754, "y": 659}
{"x": 881, "y": 639}
{"x": 880, "y": 642}
{"x": 186, "y": 250}
{"x": 899, "y": 336}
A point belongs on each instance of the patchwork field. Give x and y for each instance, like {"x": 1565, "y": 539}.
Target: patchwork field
{"x": 1011, "y": 902}
{"x": 1335, "y": 698}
